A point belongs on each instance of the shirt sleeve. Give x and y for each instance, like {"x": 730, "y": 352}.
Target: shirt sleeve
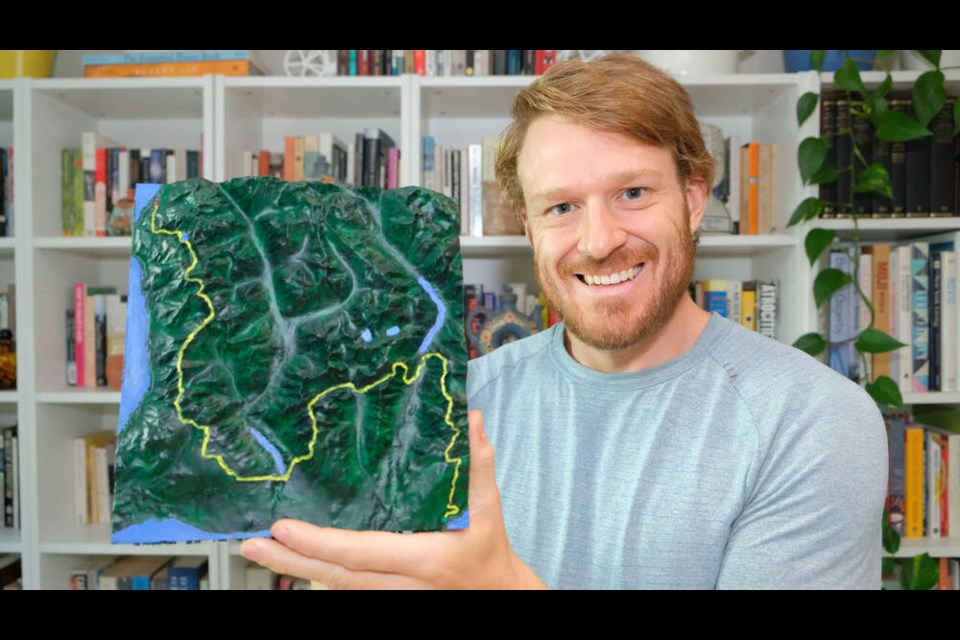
{"x": 812, "y": 518}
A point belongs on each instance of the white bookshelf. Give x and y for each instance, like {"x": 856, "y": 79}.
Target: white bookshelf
{"x": 230, "y": 115}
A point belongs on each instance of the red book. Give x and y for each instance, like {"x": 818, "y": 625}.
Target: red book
{"x": 264, "y": 168}
{"x": 79, "y": 330}
{"x": 100, "y": 194}
{"x": 545, "y": 59}
{"x": 420, "y": 61}
{"x": 393, "y": 167}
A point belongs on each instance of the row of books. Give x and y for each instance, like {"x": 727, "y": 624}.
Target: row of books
{"x": 95, "y": 331}
{"x": 747, "y": 189}
{"x": 98, "y": 181}
{"x": 152, "y": 64}
{"x": 11, "y": 572}
{"x": 94, "y": 457}
{"x": 924, "y": 173}
{"x": 445, "y": 62}
{"x": 10, "y": 476}
{"x": 371, "y": 159}
{"x": 141, "y": 573}
{"x": 6, "y": 191}
{"x": 752, "y": 303}
{"x": 912, "y": 287}
{"x": 468, "y": 176}
{"x": 923, "y": 497}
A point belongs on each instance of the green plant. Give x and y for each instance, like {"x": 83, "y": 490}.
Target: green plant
{"x": 864, "y": 176}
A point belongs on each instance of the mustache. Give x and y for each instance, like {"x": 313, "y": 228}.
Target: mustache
{"x": 618, "y": 261}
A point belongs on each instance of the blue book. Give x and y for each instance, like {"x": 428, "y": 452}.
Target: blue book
{"x": 156, "y": 57}
{"x": 184, "y": 573}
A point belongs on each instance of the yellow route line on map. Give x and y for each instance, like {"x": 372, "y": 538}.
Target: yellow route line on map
{"x": 452, "y": 509}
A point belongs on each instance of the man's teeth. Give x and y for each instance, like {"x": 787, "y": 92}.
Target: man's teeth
{"x": 613, "y": 278}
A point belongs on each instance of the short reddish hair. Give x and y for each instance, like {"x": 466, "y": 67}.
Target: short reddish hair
{"x": 619, "y": 93}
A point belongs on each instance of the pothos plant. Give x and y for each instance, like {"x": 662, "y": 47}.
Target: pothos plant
{"x": 865, "y": 177}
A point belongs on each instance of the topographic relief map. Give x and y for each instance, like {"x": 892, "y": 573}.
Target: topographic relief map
{"x": 293, "y": 350}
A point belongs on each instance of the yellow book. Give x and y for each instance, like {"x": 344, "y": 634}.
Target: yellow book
{"x": 748, "y": 308}
{"x": 913, "y": 481}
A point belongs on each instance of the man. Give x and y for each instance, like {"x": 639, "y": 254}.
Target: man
{"x": 644, "y": 442}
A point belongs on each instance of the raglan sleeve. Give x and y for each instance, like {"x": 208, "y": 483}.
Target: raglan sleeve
{"x": 812, "y": 517}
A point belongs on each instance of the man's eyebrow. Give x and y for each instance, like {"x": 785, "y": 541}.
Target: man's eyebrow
{"x": 558, "y": 193}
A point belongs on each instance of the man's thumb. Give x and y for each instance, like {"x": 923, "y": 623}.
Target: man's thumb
{"x": 483, "y": 493}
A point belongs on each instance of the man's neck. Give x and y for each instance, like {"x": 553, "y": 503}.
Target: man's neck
{"x": 675, "y": 337}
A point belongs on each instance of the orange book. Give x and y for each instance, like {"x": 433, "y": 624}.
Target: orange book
{"x": 880, "y": 296}
{"x": 165, "y": 69}
{"x": 750, "y": 188}
{"x": 264, "y": 166}
{"x": 288, "y": 153}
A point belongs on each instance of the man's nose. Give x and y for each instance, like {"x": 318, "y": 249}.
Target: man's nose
{"x": 601, "y": 232}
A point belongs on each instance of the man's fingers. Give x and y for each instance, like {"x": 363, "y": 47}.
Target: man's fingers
{"x": 380, "y": 551}
{"x": 285, "y": 561}
{"x": 484, "y": 497}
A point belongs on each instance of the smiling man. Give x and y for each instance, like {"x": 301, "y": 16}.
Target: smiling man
{"x": 643, "y": 442}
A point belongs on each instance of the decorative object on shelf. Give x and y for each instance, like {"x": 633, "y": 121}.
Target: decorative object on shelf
{"x": 586, "y": 55}
{"x": 8, "y": 360}
{"x": 36, "y": 63}
{"x": 299, "y": 63}
{"x": 298, "y": 350}
{"x": 716, "y": 218}
{"x": 693, "y": 63}
{"x": 489, "y": 329}
{"x": 795, "y": 60}
{"x": 868, "y": 115}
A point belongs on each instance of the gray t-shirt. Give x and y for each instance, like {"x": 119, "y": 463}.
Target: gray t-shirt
{"x": 742, "y": 463}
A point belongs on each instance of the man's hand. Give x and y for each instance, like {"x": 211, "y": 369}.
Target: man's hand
{"x": 476, "y": 558}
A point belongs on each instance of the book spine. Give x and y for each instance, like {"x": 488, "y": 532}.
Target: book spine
{"x": 920, "y": 303}
{"x": 913, "y": 483}
{"x": 66, "y": 191}
{"x": 173, "y": 69}
{"x": 863, "y": 139}
{"x": 828, "y": 132}
{"x": 767, "y": 308}
{"x": 79, "y": 332}
{"x": 935, "y": 314}
{"x": 71, "y": 351}
{"x": 942, "y": 163}
{"x": 844, "y": 150}
{"x": 905, "y": 318}
{"x": 475, "y": 173}
{"x": 154, "y": 57}
{"x": 948, "y": 324}
{"x": 918, "y": 153}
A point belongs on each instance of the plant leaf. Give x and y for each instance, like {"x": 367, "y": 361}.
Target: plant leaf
{"x": 876, "y": 341}
{"x": 811, "y": 343}
{"x": 848, "y": 77}
{"x": 885, "y": 392}
{"x": 888, "y": 566}
{"x": 891, "y": 539}
{"x": 806, "y": 105}
{"x": 874, "y": 179}
{"x": 810, "y": 157}
{"x": 929, "y": 96}
{"x": 825, "y": 175}
{"x": 817, "y": 58}
{"x": 933, "y": 57}
{"x": 896, "y": 126}
{"x": 816, "y": 241}
{"x": 809, "y": 208}
{"x": 828, "y": 282}
{"x": 920, "y": 573}
{"x": 874, "y": 105}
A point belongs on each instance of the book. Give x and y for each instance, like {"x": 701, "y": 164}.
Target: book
{"x": 750, "y": 188}
{"x": 913, "y": 482}
{"x": 920, "y": 312}
{"x": 945, "y": 421}
{"x": 185, "y": 573}
{"x": 132, "y": 573}
{"x": 376, "y": 144}
{"x": 116, "y": 331}
{"x": 155, "y": 57}
{"x": 87, "y": 493}
{"x": 880, "y": 297}
{"x": 94, "y": 180}
{"x": 767, "y": 308}
{"x": 174, "y": 69}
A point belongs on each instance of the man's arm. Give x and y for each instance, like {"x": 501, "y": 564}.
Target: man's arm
{"x": 813, "y": 518}
{"x": 476, "y": 558}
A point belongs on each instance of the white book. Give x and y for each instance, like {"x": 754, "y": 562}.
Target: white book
{"x": 948, "y": 327}
{"x": 734, "y": 299}
{"x": 332, "y": 148}
{"x": 934, "y": 484}
{"x": 170, "y": 168}
{"x": 245, "y": 161}
{"x": 123, "y": 175}
{"x": 893, "y": 312}
{"x": 104, "y": 459}
{"x": 481, "y": 62}
{"x": 520, "y": 289}
{"x": 733, "y": 168}
{"x": 905, "y": 318}
{"x": 475, "y": 188}
{"x": 80, "y": 480}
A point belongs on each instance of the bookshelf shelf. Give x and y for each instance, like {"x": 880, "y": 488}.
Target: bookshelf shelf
{"x": 7, "y": 246}
{"x": 937, "y": 548}
{"x": 79, "y": 396}
{"x": 889, "y": 229}
{"x": 90, "y": 247}
{"x": 935, "y": 397}
{"x": 128, "y": 98}
{"x": 9, "y": 397}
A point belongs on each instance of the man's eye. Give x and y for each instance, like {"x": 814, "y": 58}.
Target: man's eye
{"x": 633, "y": 193}
{"x": 561, "y": 209}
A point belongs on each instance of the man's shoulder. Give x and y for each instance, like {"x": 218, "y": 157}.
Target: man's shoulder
{"x": 509, "y": 358}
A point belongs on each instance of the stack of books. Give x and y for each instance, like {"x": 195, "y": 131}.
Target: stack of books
{"x": 153, "y": 64}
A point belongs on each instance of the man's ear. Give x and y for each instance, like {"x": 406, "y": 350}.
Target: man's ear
{"x": 696, "y": 194}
